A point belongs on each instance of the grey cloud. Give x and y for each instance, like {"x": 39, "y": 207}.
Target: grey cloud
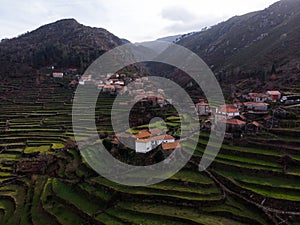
{"x": 194, "y": 25}
{"x": 176, "y": 13}
{"x": 177, "y": 28}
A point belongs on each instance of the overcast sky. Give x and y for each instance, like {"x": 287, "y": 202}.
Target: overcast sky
{"x": 135, "y": 20}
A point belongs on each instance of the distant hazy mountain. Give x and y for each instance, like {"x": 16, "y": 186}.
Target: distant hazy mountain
{"x": 65, "y": 43}
{"x": 173, "y": 38}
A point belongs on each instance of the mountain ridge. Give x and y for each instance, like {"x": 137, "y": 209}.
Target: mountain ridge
{"x": 64, "y": 43}
{"x": 247, "y": 43}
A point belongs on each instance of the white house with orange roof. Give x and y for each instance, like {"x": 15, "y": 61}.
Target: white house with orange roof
{"x": 225, "y": 112}
{"x": 145, "y": 141}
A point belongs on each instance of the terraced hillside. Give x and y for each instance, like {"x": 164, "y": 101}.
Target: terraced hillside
{"x": 44, "y": 180}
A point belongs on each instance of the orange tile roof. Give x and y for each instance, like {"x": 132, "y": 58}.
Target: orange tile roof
{"x": 143, "y": 134}
{"x": 170, "y": 146}
{"x": 156, "y": 138}
{"x": 227, "y": 109}
{"x": 161, "y": 137}
{"x": 145, "y": 140}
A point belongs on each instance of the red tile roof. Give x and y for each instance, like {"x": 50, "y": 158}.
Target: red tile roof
{"x": 170, "y": 146}
{"x": 156, "y": 138}
{"x": 273, "y": 93}
{"x": 227, "y": 109}
{"x": 143, "y": 134}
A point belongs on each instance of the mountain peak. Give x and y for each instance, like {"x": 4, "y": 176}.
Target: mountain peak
{"x": 62, "y": 24}
{"x": 64, "y": 43}
{"x": 67, "y": 21}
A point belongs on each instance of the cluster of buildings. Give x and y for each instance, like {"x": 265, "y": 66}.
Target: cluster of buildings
{"x": 256, "y": 103}
{"x": 272, "y": 96}
{"x": 248, "y": 113}
{"x": 150, "y": 97}
{"x": 56, "y": 73}
{"x": 141, "y": 88}
{"x": 110, "y": 83}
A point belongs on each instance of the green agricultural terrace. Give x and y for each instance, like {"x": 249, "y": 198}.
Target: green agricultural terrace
{"x": 44, "y": 180}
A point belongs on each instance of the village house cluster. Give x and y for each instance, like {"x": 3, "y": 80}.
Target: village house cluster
{"x": 141, "y": 89}
{"x": 109, "y": 83}
{"x": 249, "y": 113}
{"x": 144, "y": 92}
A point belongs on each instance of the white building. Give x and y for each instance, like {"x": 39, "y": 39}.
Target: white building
{"x": 257, "y": 97}
{"x": 85, "y": 78}
{"x": 257, "y": 106}
{"x": 225, "y": 112}
{"x": 58, "y": 74}
{"x": 145, "y": 142}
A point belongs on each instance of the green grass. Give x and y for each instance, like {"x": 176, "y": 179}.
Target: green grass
{"x": 238, "y": 210}
{"x": 163, "y": 190}
{"x": 7, "y": 205}
{"x": 75, "y": 198}
{"x": 184, "y": 213}
{"x": 192, "y": 176}
{"x": 40, "y": 149}
{"x": 272, "y": 193}
{"x": 57, "y": 145}
{"x": 134, "y": 217}
{"x": 38, "y": 214}
{"x": 274, "y": 182}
